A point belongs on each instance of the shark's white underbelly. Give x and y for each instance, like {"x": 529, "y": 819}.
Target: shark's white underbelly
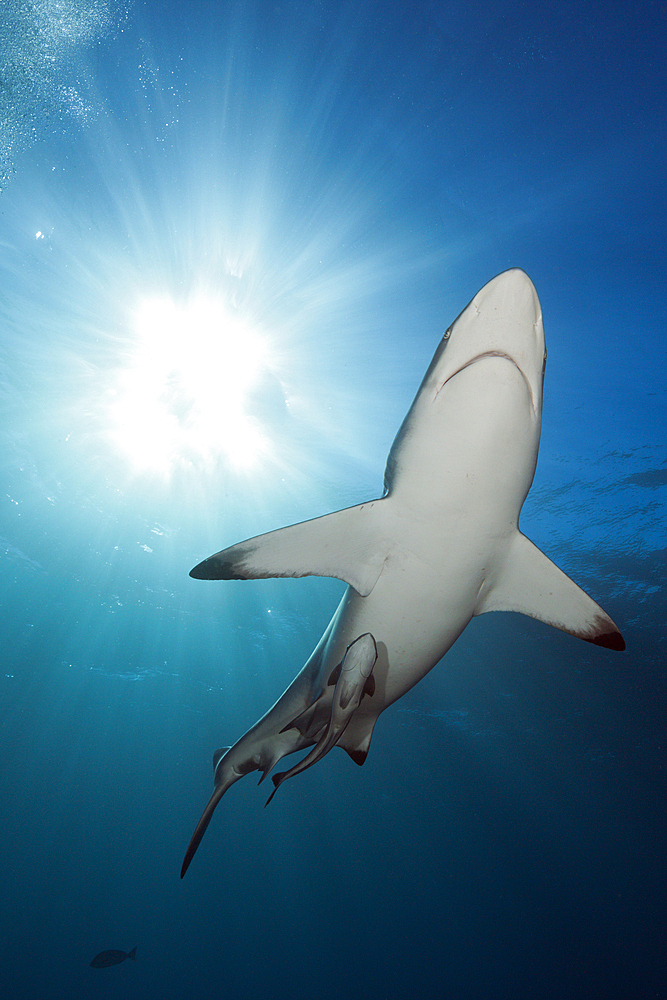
{"x": 415, "y": 615}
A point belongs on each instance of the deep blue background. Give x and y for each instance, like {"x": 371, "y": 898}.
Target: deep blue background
{"x": 345, "y": 177}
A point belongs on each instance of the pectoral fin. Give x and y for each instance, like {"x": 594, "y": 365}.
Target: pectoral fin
{"x": 348, "y": 545}
{"x": 532, "y": 584}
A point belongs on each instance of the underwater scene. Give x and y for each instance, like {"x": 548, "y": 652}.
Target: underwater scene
{"x": 394, "y": 275}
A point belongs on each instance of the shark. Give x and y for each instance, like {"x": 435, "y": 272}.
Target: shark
{"x": 440, "y": 546}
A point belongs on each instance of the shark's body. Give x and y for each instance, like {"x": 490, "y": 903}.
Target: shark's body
{"x": 441, "y": 546}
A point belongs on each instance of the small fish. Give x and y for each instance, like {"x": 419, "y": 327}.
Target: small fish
{"x": 113, "y": 957}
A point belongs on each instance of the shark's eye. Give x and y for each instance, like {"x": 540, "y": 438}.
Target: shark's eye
{"x": 182, "y": 395}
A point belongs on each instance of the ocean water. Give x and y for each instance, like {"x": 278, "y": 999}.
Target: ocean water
{"x": 231, "y": 237}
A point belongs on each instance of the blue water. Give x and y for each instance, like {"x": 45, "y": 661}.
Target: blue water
{"x": 231, "y": 236}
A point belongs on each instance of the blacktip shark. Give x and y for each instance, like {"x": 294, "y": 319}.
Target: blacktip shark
{"x": 440, "y": 546}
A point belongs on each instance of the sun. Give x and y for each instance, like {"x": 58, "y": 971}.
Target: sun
{"x": 182, "y": 396}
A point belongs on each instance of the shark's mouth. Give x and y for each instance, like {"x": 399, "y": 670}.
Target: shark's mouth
{"x": 495, "y": 354}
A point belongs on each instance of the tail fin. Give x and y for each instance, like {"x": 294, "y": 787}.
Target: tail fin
{"x": 201, "y": 826}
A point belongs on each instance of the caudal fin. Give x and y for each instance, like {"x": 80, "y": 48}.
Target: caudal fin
{"x": 201, "y": 828}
